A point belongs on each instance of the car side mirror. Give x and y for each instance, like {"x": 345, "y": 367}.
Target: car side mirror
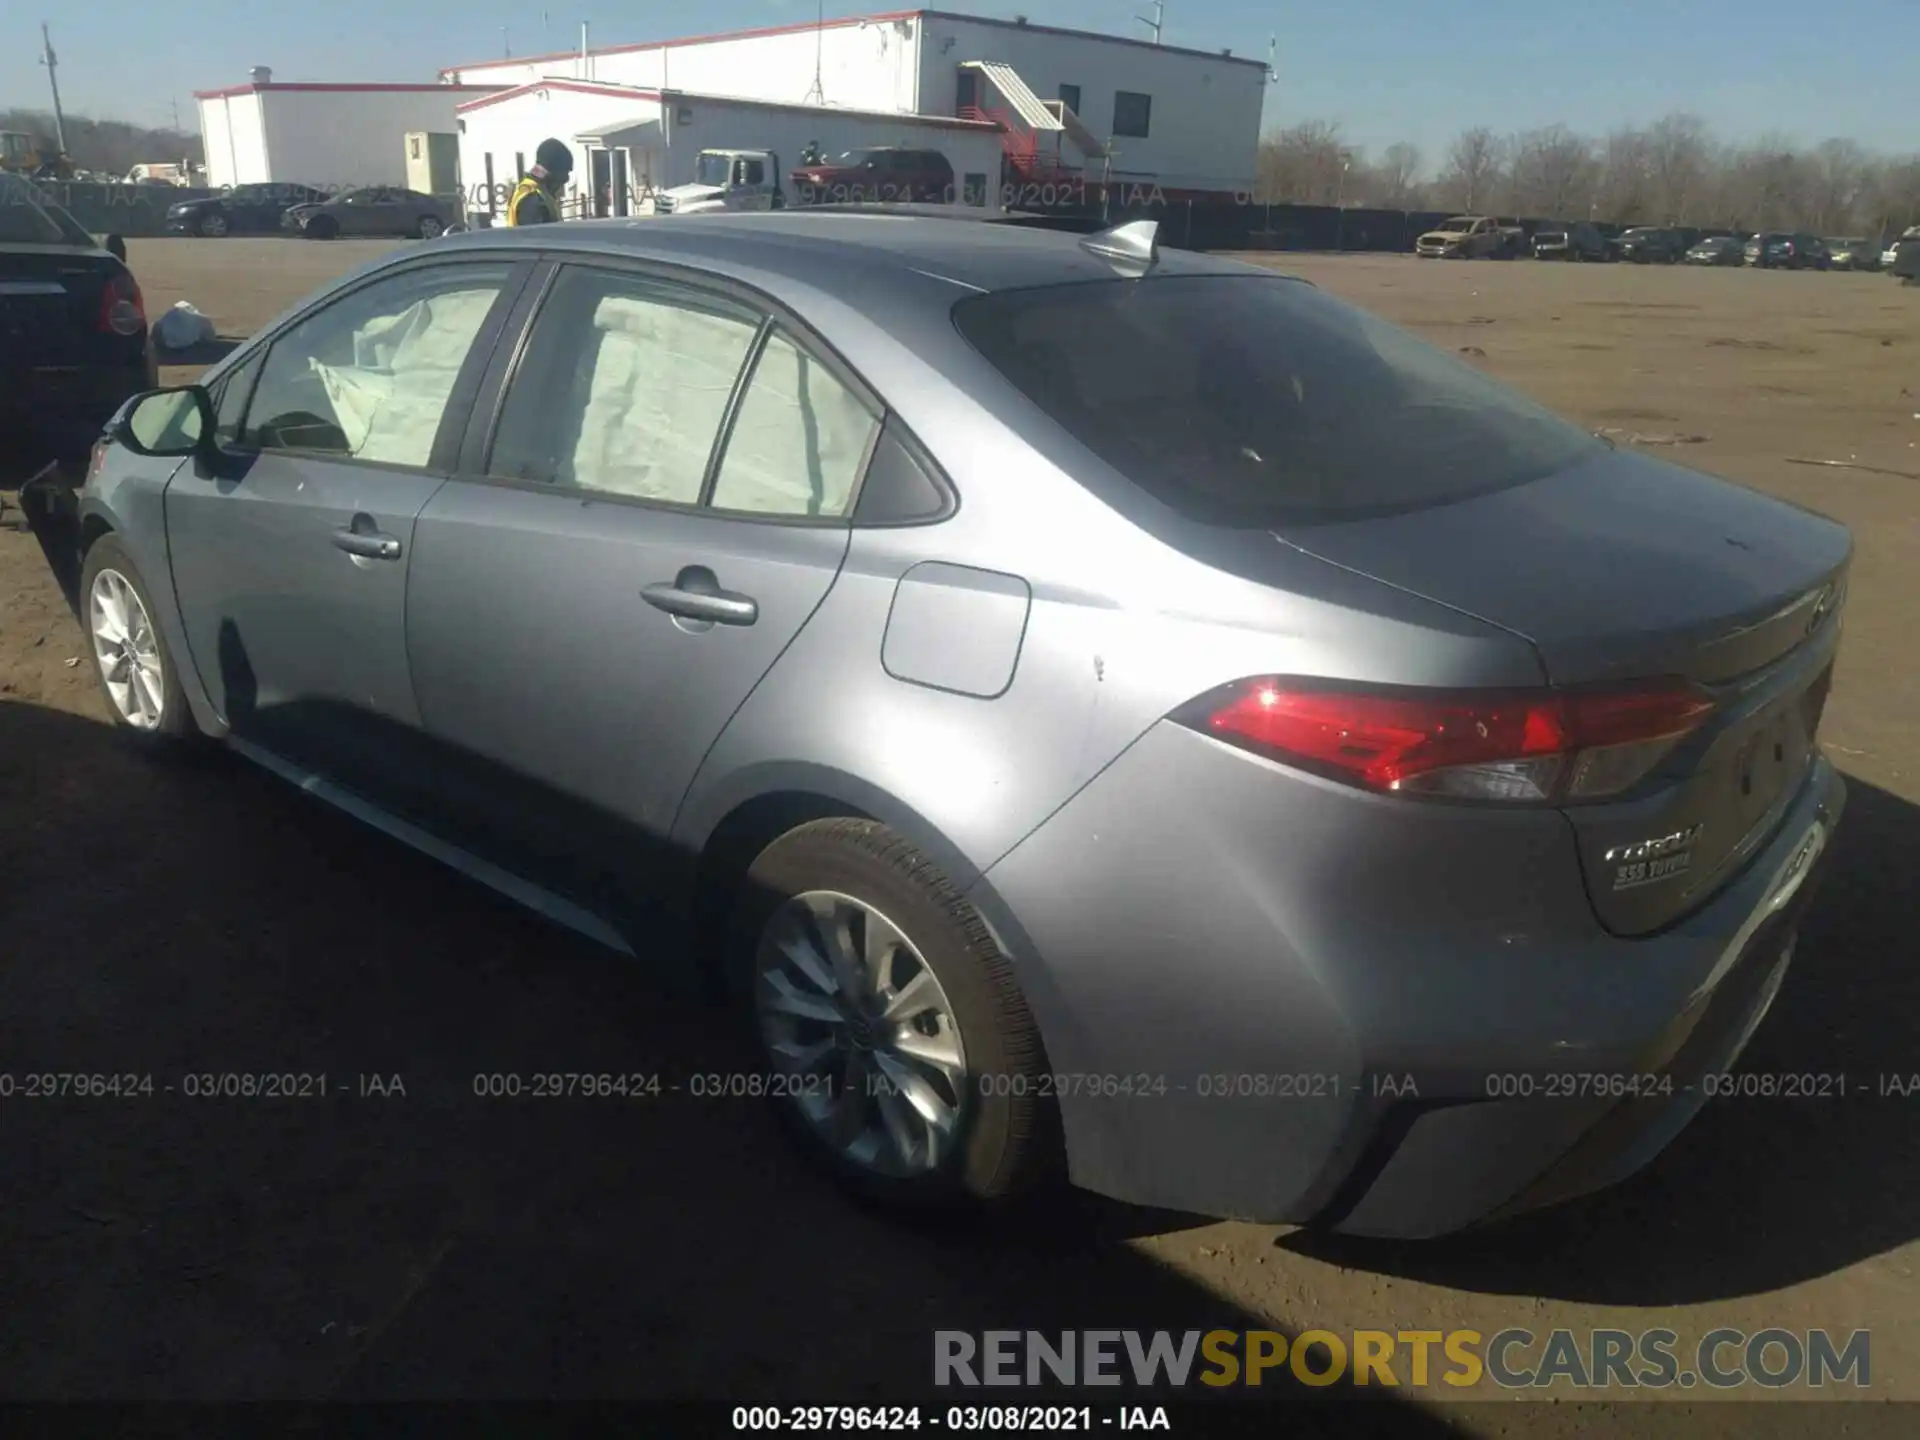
{"x": 168, "y": 424}
{"x": 115, "y": 246}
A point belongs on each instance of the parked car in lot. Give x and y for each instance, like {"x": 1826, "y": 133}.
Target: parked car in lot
{"x": 1649, "y": 245}
{"x": 74, "y": 342}
{"x": 1577, "y": 241}
{"x": 883, "y": 614}
{"x": 376, "y": 210}
{"x": 1787, "y": 250}
{"x": 1852, "y": 253}
{"x": 243, "y": 210}
{"x": 1469, "y": 237}
{"x": 1715, "y": 250}
{"x": 888, "y": 174}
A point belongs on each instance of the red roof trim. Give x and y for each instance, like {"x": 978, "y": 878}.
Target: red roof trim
{"x": 582, "y": 87}
{"x": 844, "y": 21}
{"x": 253, "y": 89}
{"x": 756, "y": 34}
{"x": 1091, "y": 35}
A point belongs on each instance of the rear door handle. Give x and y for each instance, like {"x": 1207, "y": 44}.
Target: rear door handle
{"x": 369, "y": 544}
{"x": 695, "y": 594}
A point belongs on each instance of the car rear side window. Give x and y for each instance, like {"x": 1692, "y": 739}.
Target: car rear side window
{"x": 1249, "y": 400}
{"x": 798, "y": 439}
{"x": 623, "y": 387}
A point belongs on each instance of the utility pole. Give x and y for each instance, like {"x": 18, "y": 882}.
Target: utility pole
{"x": 47, "y": 59}
{"x": 1156, "y": 23}
{"x": 818, "y": 94}
{"x": 506, "y": 44}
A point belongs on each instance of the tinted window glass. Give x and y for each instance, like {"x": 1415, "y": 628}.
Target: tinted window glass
{"x": 1131, "y": 113}
{"x": 1252, "y": 400}
{"x": 797, "y": 441}
{"x": 369, "y": 376}
{"x": 623, "y": 387}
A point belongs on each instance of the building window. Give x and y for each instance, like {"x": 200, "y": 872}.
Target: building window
{"x": 1070, "y": 97}
{"x": 1131, "y": 112}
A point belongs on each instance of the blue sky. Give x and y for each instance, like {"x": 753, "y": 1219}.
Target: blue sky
{"x": 1385, "y": 69}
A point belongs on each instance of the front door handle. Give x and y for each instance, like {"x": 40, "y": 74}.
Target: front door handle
{"x": 695, "y": 594}
{"x": 369, "y": 544}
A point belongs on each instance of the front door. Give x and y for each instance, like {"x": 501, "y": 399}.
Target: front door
{"x": 622, "y": 194}
{"x": 585, "y": 620}
{"x": 600, "y": 165}
{"x": 290, "y": 554}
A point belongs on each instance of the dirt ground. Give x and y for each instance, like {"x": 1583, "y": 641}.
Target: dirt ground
{"x": 178, "y": 919}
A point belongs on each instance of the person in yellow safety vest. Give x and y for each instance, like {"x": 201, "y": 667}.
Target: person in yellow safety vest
{"x": 536, "y": 199}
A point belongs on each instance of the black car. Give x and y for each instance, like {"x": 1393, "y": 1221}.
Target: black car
{"x": 1787, "y": 250}
{"x": 1650, "y": 245}
{"x": 243, "y": 210}
{"x": 1578, "y": 241}
{"x": 1715, "y": 250}
{"x": 74, "y": 342}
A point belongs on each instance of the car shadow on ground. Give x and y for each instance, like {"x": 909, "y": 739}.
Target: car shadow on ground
{"x": 1758, "y": 1193}
{"x": 400, "y": 1236}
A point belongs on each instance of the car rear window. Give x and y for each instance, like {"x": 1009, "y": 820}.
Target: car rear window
{"x": 1257, "y": 400}
{"x": 27, "y": 217}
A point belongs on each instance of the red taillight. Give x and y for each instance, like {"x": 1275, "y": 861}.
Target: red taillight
{"x": 123, "y": 310}
{"x": 1532, "y": 745}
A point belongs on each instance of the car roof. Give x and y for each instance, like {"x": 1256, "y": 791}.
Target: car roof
{"x": 846, "y": 252}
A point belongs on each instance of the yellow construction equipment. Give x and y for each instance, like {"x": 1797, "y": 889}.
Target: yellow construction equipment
{"x": 24, "y": 154}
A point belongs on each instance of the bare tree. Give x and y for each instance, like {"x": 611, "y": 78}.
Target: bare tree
{"x": 111, "y": 146}
{"x": 1837, "y": 184}
{"x": 1676, "y": 150}
{"x": 1626, "y": 179}
{"x": 1395, "y": 178}
{"x": 1473, "y": 169}
{"x": 1551, "y": 173}
{"x": 1305, "y": 164}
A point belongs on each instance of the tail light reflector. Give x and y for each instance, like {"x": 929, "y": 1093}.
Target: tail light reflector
{"x": 1539, "y": 746}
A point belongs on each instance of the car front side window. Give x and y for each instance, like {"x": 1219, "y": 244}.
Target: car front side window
{"x": 368, "y": 377}
{"x": 623, "y": 387}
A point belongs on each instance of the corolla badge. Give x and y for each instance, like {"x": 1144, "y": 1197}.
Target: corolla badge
{"x": 1646, "y": 862}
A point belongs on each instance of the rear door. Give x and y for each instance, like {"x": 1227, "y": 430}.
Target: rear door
{"x": 655, "y": 509}
{"x": 290, "y": 552}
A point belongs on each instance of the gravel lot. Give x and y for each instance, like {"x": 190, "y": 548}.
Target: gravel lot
{"x": 178, "y": 919}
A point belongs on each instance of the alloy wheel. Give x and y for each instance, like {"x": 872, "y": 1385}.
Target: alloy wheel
{"x": 863, "y": 1035}
{"x": 127, "y": 650}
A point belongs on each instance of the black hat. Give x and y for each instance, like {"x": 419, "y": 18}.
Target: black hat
{"x": 554, "y": 158}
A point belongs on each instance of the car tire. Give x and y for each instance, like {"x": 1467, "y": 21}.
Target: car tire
{"x": 131, "y": 659}
{"x": 1001, "y": 1146}
{"x": 430, "y": 227}
{"x": 321, "y": 227}
{"x": 212, "y": 226}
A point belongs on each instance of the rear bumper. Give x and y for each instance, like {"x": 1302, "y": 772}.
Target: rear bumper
{"x": 58, "y": 412}
{"x": 1275, "y": 999}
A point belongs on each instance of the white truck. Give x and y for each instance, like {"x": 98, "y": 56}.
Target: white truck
{"x": 727, "y": 180}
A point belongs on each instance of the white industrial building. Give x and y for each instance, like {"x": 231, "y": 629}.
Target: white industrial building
{"x": 328, "y": 135}
{"x": 1102, "y": 108}
{"x": 631, "y": 143}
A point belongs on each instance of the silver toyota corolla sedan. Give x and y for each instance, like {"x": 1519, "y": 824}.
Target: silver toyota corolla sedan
{"x": 1108, "y": 714}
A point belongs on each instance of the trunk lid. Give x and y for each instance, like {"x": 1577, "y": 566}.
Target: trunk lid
{"x": 1623, "y": 568}
{"x": 50, "y": 305}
